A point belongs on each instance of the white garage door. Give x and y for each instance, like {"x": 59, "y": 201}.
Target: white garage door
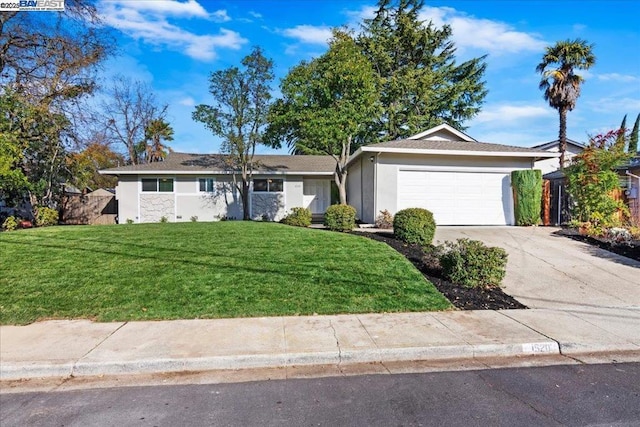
{"x": 458, "y": 198}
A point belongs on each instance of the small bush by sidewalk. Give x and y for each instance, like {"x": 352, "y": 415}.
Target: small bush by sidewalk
{"x": 471, "y": 263}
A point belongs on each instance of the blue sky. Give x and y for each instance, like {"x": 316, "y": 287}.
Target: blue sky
{"x": 174, "y": 46}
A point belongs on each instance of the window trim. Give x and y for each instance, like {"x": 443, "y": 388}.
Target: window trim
{"x": 157, "y": 186}
{"x": 268, "y": 182}
{"x": 206, "y": 179}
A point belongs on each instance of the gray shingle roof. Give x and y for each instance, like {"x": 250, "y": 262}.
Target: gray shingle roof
{"x": 212, "y": 163}
{"x": 419, "y": 144}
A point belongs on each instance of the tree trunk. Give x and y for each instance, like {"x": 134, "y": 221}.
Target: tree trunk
{"x": 245, "y": 200}
{"x": 340, "y": 177}
{"x": 342, "y": 190}
{"x": 562, "y": 135}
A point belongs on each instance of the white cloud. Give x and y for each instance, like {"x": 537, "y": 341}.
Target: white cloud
{"x": 147, "y": 22}
{"x": 493, "y": 37}
{"x": 190, "y": 8}
{"x": 356, "y": 17}
{"x": 220, "y": 16}
{"x": 609, "y": 104}
{"x": 501, "y": 115}
{"x": 616, "y": 77}
{"x": 255, "y": 14}
{"x": 309, "y": 34}
{"x": 187, "y": 101}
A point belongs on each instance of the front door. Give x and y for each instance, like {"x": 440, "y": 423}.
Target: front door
{"x": 317, "y": 194}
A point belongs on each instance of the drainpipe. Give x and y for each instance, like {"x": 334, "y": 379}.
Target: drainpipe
{"x": 375, "y": 186}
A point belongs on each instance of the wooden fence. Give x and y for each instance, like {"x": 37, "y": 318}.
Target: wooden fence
{"x": 89, "y": 209}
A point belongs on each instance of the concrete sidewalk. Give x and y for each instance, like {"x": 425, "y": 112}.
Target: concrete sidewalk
{"x": 85, "y": 349}
{"x": 584, "y": 304}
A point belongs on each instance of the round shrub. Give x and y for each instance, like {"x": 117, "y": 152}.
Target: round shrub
{"x": 299, "y": 217}
{"x": 46, "y": 217}
{"x": 340, "y": 218}
{"x": 414, "y": 225}
{"x": 10, "y": 224}
{"x": 472, "y": 264}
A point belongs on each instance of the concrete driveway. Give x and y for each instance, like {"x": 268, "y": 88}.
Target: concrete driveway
{"x": 548, "y": 271}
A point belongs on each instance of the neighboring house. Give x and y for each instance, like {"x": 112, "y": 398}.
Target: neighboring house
{"x": 201, "y": 186}
{"x": 630, "y": 180}
{"x": 460, "y": 180}
{"x": 553, "y": 164}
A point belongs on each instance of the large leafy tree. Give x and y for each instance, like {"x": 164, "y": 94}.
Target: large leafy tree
{"x": 239, "y": 114}
{"x": 560, "y": 84}
{"x": 85, "y": 164}
{"x": 47, "y": 69}
{"x": 325, "y": 105}
{"x": 592, "y": 179}
{"x": 419, "y": 81}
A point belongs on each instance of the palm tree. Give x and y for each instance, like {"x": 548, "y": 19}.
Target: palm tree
{"x": 560, "y": 84}
{"x": 157, "y": 131}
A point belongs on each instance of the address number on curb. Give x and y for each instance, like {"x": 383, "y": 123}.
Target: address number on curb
{"x": 545, "y": 347}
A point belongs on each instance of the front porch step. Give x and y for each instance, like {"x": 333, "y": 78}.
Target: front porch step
{"x": 317, "y": 218}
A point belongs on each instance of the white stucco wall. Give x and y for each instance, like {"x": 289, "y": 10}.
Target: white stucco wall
{"x": 550, "y": 165}
{"x": 186, "y": 201}
{"x": 360, "y": 187}
{"x": 388, "y": 165}
{"x": 127, "y": 197}
{"x": 354, "y": 186}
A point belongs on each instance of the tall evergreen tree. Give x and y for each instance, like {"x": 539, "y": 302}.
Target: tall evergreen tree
{"x": 622, "y": 133}
{"x": 633, "y": 137}
{"x": 559, "y": 82}
{"x": 420, "y": 83}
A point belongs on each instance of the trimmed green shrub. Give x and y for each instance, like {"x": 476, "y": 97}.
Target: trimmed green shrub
{"x": 472, "y": 264}
{"x": 299, "y": 217}
{"x": 340, "y": 218}
{"x": 414, "y": 225}
{"x": 527, "y": 196}
{"x": 46, "y": 217}
{"x": 10, "y": 224}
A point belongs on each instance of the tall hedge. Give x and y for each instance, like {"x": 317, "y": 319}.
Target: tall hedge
{"x": 527, "y": 196}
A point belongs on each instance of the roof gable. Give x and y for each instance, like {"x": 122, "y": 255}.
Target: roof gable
{"x": 556, "y": 143}
{"x": 442, "y": 132}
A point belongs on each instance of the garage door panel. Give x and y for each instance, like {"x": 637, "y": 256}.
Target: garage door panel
{"x": 458, "y": 198}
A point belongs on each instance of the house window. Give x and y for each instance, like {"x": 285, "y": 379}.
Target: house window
{"x": 205, "y": 185}
{"x": 267, "y": 185}
{"x": 163, "y": 185}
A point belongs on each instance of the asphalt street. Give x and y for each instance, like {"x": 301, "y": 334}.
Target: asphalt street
{"x": 574, "y": 395}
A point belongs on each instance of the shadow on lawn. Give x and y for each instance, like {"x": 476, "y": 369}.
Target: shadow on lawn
{"x": 294, "y": 271}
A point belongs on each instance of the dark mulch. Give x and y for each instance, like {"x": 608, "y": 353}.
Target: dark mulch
{"x": 626, "y": 249}
{"x": 460, "y": 296}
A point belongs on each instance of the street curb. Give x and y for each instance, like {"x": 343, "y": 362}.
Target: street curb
{"x": 13, "y": 372}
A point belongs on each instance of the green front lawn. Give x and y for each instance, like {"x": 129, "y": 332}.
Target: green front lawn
{"x": 201, "y": 270}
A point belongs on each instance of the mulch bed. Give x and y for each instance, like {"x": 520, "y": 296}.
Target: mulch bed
{"x": 626, "y": 249}
{"x": 461, "y": 297}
